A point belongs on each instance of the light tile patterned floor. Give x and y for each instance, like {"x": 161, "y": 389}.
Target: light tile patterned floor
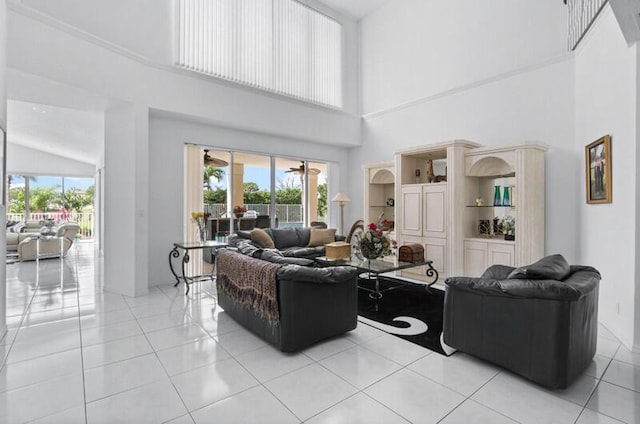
{"x": 74, "y": 354}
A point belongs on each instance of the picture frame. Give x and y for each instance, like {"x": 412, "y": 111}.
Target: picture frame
{"x": 598, "y": 171}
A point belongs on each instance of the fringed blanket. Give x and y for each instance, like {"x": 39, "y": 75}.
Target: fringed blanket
{"x": 249, "y": 281}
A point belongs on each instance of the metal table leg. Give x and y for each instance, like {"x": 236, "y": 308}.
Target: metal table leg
{"x": 174, "y": 254}
{"x": 185, "y": 261}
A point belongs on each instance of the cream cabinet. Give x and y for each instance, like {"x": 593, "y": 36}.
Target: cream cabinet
{"x": 434, "y": 221}
{"x": 424, "y": 221}
{"x": 480, "y": 254}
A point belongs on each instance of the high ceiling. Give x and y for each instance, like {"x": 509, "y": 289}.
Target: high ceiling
{"x": 71, "y": 133}
{"x": 67, "y": 122}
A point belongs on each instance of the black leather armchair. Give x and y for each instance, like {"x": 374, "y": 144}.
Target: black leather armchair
{"x": 538, "y": 321}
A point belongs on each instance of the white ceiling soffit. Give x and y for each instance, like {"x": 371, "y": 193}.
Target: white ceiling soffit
{"x": 71, "y": 133}
{"x": 357, "y": 9}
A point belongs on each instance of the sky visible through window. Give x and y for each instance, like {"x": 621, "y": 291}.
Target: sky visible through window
{"x": 258, "y": 176}
{"x": 50, "y": 181}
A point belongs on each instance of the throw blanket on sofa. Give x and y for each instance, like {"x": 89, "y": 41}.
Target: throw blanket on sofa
{"x": 251, "y": 282}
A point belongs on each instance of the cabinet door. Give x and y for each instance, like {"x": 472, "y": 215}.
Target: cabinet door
{"x": 500, "y": 254}
{"x": 475, "y": 258}
{"x": 435, "y": 250}
{"x": 411, "y": 211}
{"x": 434, "y": 207}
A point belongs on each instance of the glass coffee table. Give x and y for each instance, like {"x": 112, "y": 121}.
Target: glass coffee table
{"x": 374, "y": 267}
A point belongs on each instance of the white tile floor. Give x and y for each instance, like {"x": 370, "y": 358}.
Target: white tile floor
{"x": 74, "y": 354}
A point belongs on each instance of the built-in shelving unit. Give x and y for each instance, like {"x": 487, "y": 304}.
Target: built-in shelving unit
{"x": 453, "y": 215}
{"x": 379, "y": 192}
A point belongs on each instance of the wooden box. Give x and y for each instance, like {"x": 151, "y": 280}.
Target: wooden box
{"x": 338, "y": 250}
{"x": 413, "y": 252}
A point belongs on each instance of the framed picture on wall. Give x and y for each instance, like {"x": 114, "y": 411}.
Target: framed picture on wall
{"x": 598, "y": 170}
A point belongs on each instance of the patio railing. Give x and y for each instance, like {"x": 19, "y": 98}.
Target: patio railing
{"x": 83, "y": 219}
{"x": 288, "y": 215}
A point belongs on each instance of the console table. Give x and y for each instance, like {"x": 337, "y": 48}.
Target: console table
{"x": 210, "y": 245}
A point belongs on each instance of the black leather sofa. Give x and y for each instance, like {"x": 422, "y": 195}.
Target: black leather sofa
{"x": 291, "y": 242}
{"x": 538, "y": 321}
{"x": 314, "y": 304}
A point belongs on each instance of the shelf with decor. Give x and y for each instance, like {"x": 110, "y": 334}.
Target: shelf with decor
{"x": 379, "y": 192}
{"x": 495, "y": 206}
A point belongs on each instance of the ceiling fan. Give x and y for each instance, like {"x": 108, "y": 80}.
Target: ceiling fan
{"x": 211, "y": 161}
{"x": 300, "y": 170}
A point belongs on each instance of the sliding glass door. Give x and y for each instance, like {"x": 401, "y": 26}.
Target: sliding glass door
{"x": 266, "y": 190}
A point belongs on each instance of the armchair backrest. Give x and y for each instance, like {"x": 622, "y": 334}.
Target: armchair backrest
{"x": 69, "y": 230}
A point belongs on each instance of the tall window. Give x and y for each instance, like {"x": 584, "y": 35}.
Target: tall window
{"x": 276, "y": 45}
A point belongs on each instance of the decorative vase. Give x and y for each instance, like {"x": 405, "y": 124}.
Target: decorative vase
{"x": 510, "y": 237}
{"x": 497, "y": 201}
{"x": 202, "y": 234}
{"x": 368, "y": 254}
{"x": 506, "y": 201}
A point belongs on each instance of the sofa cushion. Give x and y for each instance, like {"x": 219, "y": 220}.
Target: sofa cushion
{"x": 284, "y": 237}
{"x": 276, "y": 256}
{"x": 320, "y": 237}
{"x": 304, "y": 234}
{"x": 304, "y": 252}
{"x": 553, "y": 267}
{"x": 260, "y": 237}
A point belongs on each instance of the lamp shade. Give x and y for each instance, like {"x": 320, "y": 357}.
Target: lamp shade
{"x": 341, "y": 197}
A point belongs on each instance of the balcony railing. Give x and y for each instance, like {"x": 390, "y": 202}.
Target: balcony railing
{"x": 83, "y": 219}
{"x": 288, "y": 215}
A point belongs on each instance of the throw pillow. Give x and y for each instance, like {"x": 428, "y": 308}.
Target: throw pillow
{"x": 553, "y": 267}
{"x": 320, "y": 237}
{"x": 260, "y": 237}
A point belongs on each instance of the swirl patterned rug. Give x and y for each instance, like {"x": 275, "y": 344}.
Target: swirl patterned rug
{"x": 409, "y": 311}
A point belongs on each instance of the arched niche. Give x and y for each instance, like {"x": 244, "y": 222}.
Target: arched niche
{"x": 491, "y": 166}
{"x": 382, "y": 176}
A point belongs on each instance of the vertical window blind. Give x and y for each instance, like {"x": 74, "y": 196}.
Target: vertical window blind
{"x": 277, "y": 45}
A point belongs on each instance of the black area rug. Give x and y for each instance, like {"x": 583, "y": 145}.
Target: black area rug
{"x": 409, "y": 311}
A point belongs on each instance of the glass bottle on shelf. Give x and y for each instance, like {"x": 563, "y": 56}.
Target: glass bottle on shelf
{"x": 506, "y": 201}
{"x": 497, "y": 201}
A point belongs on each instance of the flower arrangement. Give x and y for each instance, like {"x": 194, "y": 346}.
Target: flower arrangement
{"x": 508, "y": 224}
{"x": 373, "y": 242}
{"x": 239, "y": 209}
{"x": 200, "y": 218}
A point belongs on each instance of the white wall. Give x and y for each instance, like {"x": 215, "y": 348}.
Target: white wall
{"x": 56, "y": 54}
{"x": 25, "y": 160}
{"x": 167, "y": 136}
{"x": 495, "y": 72}
{"x": 145, "y": 28}
{"x": 416, "y": 48}
{"x": 3, "y": 125}
{"x": 606, "y": 103}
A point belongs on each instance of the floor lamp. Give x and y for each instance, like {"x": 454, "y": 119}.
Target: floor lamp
{"x": 341, "y": 199}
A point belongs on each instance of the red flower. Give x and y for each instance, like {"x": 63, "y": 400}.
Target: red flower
{"x": 372, "y": 226}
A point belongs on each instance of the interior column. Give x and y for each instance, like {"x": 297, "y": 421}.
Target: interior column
{"x": 313, "y": 197}
{"x": 238, "y": 185}
{"x": 126, "y": 187}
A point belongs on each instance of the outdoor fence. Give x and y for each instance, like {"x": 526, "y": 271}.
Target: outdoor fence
{"x": 83, "y": 219}
{"x": 288, "y": 215}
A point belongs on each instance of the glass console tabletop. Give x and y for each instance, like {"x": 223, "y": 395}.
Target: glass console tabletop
{"x": 375, "y": 267}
